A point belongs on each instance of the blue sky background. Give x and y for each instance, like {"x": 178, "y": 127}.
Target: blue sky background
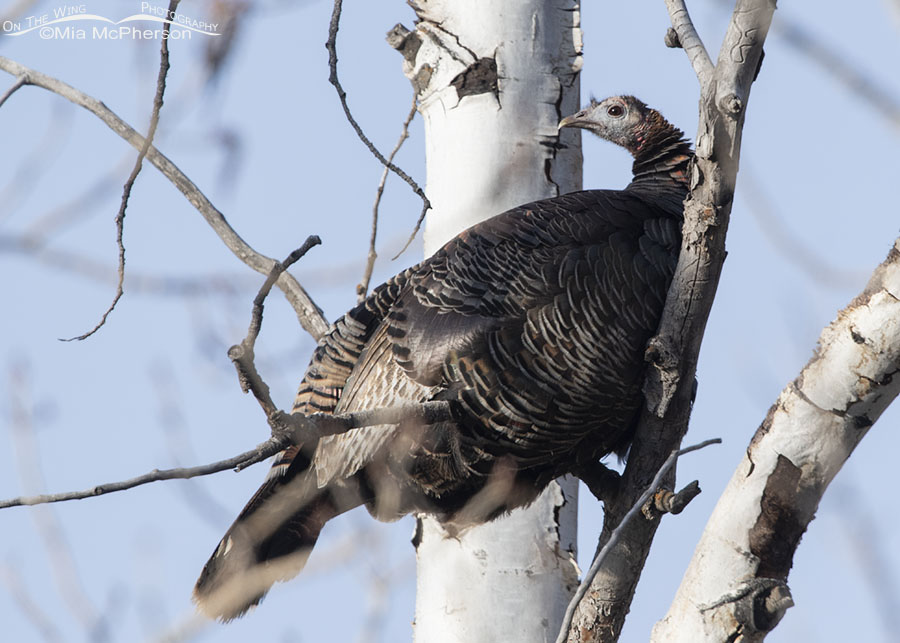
{"x": 815, "y": 212}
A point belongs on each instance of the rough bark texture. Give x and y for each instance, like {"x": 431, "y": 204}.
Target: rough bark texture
{"x": 493, "y": 81}
{"x": 673, "y": 353}
{"x": 734, "y": 589}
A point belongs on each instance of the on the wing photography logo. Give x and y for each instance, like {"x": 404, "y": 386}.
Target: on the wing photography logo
{"x": 73, "y": 22}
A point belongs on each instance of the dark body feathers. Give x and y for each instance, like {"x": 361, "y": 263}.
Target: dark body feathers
{"x": 533, "y": 324}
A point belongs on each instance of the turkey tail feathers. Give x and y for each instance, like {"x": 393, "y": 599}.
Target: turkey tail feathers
{"x": 262, "y": 547}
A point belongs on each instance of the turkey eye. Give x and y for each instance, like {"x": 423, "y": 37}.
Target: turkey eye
{"x": 615, "y": 111}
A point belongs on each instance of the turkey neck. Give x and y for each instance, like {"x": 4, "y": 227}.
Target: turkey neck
{"x": 661, "y": 159}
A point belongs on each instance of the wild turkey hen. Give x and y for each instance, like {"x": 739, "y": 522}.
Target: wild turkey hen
{"x": 532, "y": 325}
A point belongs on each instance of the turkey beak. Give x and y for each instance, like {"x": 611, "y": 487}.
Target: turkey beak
{"x": 575, "y": 120}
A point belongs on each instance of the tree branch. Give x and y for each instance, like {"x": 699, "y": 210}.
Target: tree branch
{"x": 301, "y": 428}
{"x": 363, "y": 286}
{"x": 20, "y": 81}
{"x": 286, "y": 428}
{"x": 689, "y": 40}
{"x": 746, "y": 552}
{"x": 242, "y": 355}
{"x": 308, "y": 314}
{"x": 331, "y": 46}
{"x": 222, "y": 284}
{"x": 673, "y": 353}
{"x": 616, "y": 535}
{"x": 138, "y": 164}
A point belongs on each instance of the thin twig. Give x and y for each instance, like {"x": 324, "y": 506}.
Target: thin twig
{"x": 222, "y": 284}
{"x": 415, "y": 231}
{"x": 331, "y": 46}
{"x": 363, "y": 286}
{"x": 258, "y": 301}
{"x": 242, "y": 355}
{"x": 308, "y": 314}
{"x": 138, "y": 164}
{"x": 690, "y": 40}
{"x": 261, "y": 452}
{"x": 617, "y": 534}
{"x": 304, "y": 427}
{"x": 77, "y": 208}
{"x": 20, "y": 82}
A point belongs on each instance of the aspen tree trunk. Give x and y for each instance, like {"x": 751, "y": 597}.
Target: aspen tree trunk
{"x": 493, "y": 80}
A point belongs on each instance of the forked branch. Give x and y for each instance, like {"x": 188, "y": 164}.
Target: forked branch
{"x": 308, "y": 313}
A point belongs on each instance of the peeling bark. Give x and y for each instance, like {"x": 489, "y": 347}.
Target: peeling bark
{"x": 493, "y": 80}
{"x": 777, "y": 531}
{"x": 478, "y": 78}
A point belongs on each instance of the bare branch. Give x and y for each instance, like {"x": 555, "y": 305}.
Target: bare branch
{"x": 20, "y": 81}
{"x": 242, "y": 355}
{"x": 689, "y": 40}
{"x": 363, "y": 286}
{"x": 261, "y": 452}
{"x": 331, "y": 46}
{"x": 619, "y": 530}
{"x": 665, "y": 501}
{"x": 277, "y": 269}
{"x": 308, "y": 313}
{"x": 174, "y": 285}
{"x": 746, "y": 552}
{"x": 138, "y": 164}
{"x": 77, "y": 208}
{"x": 302, "y": 428}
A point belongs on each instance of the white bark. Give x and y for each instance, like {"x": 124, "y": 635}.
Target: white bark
{"x": 491, "y": 144}
{"x": 488, "y": 152}
{"x": 733, "y": 588}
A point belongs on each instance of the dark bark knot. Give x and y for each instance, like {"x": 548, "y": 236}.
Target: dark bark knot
{"x": 404, "y": 41}
{"x": 763, "y": 606}
{"x": 731, "y": 105}
{"x": 671, "y": 39}
{"x": 408, "y": 43}
{"x": 478, "y": 78}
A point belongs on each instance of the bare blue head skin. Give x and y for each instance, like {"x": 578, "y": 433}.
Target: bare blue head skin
{"x": 615, "y": 119}
{"x": 661, "y": 153}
